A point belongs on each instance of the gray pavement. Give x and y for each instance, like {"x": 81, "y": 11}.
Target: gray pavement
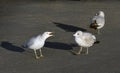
{"x": 21, "y": 20}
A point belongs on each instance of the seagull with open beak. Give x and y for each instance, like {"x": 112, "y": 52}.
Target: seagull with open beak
{"x": 37, "y": 42}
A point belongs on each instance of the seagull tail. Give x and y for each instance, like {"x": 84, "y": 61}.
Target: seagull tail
{"x": 24, "y": 46}
{"x": 96, "y": 42}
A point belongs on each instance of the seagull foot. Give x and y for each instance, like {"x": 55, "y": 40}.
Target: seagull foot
{"x": 41, "y": 56}
{"x": 37, "y": 57}
{"x": 75, "y": 53}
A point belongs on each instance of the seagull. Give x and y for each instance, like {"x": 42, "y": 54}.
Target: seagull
{"x": 37, "y": 42}
{"x": 98, "y": 21}
{"x": 84, "y": 39}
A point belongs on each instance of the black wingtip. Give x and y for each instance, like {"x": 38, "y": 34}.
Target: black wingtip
{"x": 94, "y": 25}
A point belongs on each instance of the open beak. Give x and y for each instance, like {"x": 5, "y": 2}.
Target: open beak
{"x": 74, "y": 35}
{"x": 51, "y": 33}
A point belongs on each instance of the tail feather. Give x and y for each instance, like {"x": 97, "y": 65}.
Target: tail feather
{"x": 97, "y": 42}
{"x": 24, "y": 46}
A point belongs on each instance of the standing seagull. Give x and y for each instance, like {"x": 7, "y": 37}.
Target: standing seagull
{"x": 84, "y": 39}
{"x": 37, "y": 42}
{"x": 98, "y": 21}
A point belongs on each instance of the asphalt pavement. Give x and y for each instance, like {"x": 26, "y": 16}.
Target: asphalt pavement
{"x": 19, "y": 21}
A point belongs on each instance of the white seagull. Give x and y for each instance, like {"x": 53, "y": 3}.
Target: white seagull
{"x": 84, "y": 39}
{"x": 98, "y": 21}
{"x": 37, "y": 42}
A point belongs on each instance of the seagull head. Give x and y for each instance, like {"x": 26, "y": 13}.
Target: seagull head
{"x": 47, "y": 34}
{"x": 100, "y": 13}
{"x": 78, "y": 33}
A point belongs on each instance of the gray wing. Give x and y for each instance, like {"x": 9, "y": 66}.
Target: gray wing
{"x": 98, "y": 19}
{"x": 89, "y": 38}
{"x": 30, "y": 42}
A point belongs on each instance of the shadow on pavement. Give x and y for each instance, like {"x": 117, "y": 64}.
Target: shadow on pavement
{"x": 69, "y": 28}
{"x": 11, "y": 47}
{"x": 58, "y": 45}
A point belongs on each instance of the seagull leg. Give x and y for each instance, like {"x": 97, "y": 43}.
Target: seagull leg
{"x": 41, "y": 53}
{"x": 79, "y": 52}
{"x": 87, "y": 51}
{"x": 98, "y": 31}
{"x": 36, "y": 54}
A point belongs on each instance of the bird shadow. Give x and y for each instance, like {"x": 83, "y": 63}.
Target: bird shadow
{"x": 69, "y": 28}
{"x": 11, "y": 47}
{"x": 58, "y": 45}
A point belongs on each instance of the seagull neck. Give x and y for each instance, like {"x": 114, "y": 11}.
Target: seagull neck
{"x": 44, "y": 37}
{"x": 102, "y": 15}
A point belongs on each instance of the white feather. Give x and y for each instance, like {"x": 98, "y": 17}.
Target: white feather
{"x": 84, "y": 39}
{"x": 37, "y": 42}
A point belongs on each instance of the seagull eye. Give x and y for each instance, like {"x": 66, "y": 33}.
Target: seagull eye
{"x": 77, "y": 33}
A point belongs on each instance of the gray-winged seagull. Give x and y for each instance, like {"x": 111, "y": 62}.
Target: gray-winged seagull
{"x": 98, "y": 21}
{"x": 37, "y": 42}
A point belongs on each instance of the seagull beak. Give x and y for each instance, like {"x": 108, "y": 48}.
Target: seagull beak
{"x": 74, "y": 34}
{"x": 51, "y": 33}
{"x": 97, "y": 14}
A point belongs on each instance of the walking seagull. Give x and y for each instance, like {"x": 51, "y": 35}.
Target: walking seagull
{"x": 37, "y": 42}
{"x": 98, "y": 21}
{"x": 84, "y": 39}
